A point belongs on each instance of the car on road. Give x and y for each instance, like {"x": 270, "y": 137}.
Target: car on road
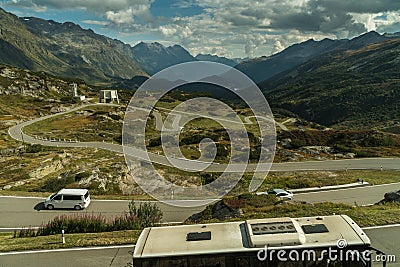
{"x": 280, "y": 193}
{"x": 68, "y": 199}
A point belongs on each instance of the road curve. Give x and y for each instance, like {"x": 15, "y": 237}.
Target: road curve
{"x": 17, "y": 211}
{"x": 367, "y": 195}
{"x": 16, "y": 132}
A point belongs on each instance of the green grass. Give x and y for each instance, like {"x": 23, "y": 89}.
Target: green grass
{"x": 296, "y": 180}
{"x": 262, "y": 206}
{"x": 288, "y": 180}
{"x": 364, "y": 216}
{"x": 375, "y": 215}
{"x": 8, "y": 243}
{"x": 100, "y": 126}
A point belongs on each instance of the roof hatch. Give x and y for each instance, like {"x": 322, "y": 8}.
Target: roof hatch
{"x": 198, "y": 236}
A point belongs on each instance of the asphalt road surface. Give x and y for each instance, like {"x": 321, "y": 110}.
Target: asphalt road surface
{"x": 360, "y": 196}
{"x": 24, "y": 212}
{"x": 386, "y": 240}
{"x": 108, "y": 257}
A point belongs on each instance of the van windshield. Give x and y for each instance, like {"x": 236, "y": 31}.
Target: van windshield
{"x": 87, "y": 195}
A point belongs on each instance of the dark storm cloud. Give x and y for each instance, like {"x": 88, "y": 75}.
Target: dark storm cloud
{"x": 329, "y": 16}
{"x": 360, "y": 6}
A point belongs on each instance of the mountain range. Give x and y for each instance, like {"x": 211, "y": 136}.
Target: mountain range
{"x": 263, "y": 68}
{"x": 64, "y": 49}
{"x": 154, "y": 57}
{"x": 352, "y": 88}
{"x": 346, "y": 82}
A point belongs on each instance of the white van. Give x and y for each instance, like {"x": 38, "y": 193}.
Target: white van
{"x": 68, "y": 199}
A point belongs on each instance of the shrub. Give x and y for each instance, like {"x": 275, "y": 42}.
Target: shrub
{"x": 138, "y": 217}
{"x": 81, "y": 175}
{"x": 86, "y": 223}
{"x": 115, "y": 117}
{"x": 235, "y": 203}
{"x": 148, "y": 214}
{"x": 57, "y": 183}
{"x": 33, "y": 149}
{"x": 155, "y": 142}
{"x": 69, "y": 100}
{"x": 25, "y": 232}
{"x": 258, "y": 200}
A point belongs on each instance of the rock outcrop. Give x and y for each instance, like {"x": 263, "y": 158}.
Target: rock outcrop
{"x": 391, "y": 197}
{"x": 218, "y": 210}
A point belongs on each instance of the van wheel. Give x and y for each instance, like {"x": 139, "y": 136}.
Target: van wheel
{"x": 50, "y": 207}
{"x": 77, "y": 207}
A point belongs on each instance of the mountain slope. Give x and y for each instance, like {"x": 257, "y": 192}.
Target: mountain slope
{"x": 217, "y": 59}
{"x": 356, "y": 88}
{"x": 155, "y": 57}
{"x": 261, "y": 69}
{"x": 64, "y": 49}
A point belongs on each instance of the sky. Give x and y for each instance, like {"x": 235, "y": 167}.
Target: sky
{"x": 230, "y": 28}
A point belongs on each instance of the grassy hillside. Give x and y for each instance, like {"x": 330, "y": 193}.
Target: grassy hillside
{"x": 354, "y": 88}
{"x": 64, "y": 49}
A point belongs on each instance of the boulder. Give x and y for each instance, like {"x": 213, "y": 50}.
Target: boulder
{"x": 391, "y": 197}
{"x": 218, "y": 210}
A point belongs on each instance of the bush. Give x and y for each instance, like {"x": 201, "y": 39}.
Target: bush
{"x": 155, "y": 142}
{"x": 147, "y": 213}
{"x": 57, "y": 183}
{"x": 138, "y": 217}
{"x": 69, "y": 100}
{"x": 33, "y": 149}
{"x": 86, "y": 223}
{"x": 235, "y": 203}
{"x": 25, "y": 232}
{"x": 258, "y": 201}
{"x": 81, "y": 175}
{"x": 115, "y": 117}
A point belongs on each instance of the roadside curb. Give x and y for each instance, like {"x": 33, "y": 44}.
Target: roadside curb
{"x": 328, "y": 188}
{"x": 64, "y": 250}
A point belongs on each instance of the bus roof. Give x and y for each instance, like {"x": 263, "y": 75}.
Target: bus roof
{"x": 279, "y": 233}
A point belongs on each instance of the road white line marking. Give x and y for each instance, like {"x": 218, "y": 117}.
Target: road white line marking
{"x": 354, "y": 188}
{"x": 381, "y": 227}
{"x": 63, "y": 250}
{"x": 122, "y": 200}
{"x": 19, "y": 228}
{"x": 17, "y": 197}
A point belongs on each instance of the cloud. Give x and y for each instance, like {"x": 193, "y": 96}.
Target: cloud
{"x": 388, "y": 22}
{"x": 250, "y": 48}
{"x": 255, "y": 28}
{"x": 167, "y": 31}
{"x": 95, "y": 22}
{"x": 90, "y": 5}
{"x": 278, "y": 47}
{"x": 116, "y": 11}
{"x": 121, "y": 17}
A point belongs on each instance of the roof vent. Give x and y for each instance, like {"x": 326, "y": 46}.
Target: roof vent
{"x": 314, "y": 228}
{"x": 274, "y": 232}
{"x": 198, "y": 236}
{"x": 273, "y": 228}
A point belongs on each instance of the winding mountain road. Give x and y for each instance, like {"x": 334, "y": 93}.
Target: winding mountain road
{"x": 16, "y": 132}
